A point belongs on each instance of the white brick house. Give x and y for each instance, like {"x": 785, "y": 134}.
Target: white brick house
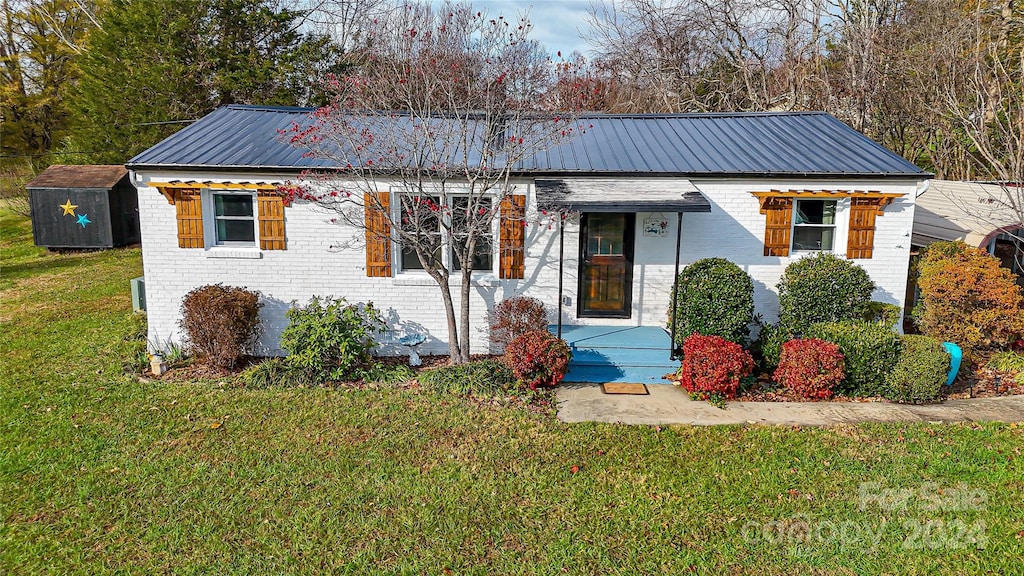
{"x": 757, "y": 189}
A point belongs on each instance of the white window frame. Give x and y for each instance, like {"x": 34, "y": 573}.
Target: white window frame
{"x": 210, "y": 219}
{"x": 446, "y": 245}
{"x": 834, "y": 225}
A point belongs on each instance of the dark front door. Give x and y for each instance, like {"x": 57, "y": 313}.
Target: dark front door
{"x": 606, "y": 265}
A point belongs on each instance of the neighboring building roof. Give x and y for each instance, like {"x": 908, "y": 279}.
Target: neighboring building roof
{"x": 967, "y": 211}
{"x": 103, "y": 176}
{"x": 740, "y": 144}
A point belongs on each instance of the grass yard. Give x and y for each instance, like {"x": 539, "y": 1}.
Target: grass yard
{"x": 100, "y": 473}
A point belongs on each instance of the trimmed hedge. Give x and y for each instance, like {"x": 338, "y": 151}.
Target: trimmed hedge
{"x": 713, "y": 366}
{"x": 480, "y": 378}
{"x": 714, "y": 297}
{"x": 823, "y": 288}
{"x": 810, "y": 367}
{"x": 921, "y": 371}
{"x": 769, "y": 344}
{"x": 871, "y": 352}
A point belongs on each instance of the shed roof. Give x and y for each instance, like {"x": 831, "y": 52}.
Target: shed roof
{"x": 104, "y": 176}
{"x": 956, "y": 210}
{"x": 797, "y": 144}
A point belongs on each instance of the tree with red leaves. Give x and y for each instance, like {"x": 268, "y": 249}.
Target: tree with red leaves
{"x": 444, "y": 104}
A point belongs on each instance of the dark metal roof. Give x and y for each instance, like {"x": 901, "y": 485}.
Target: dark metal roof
{"x": 102, "y": 176}
{"x": 799, "y": 144}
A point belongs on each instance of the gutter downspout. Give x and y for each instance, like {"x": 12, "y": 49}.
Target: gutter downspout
{"x": 675, "y": 287}
{"x": 133, "y": 177}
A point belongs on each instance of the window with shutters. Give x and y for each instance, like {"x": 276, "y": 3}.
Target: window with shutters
{"x": 421, "y": 215}
{"x": 814, "y": 225}
{"x": 808, "y": 220}
{"x": 234, "y": 218}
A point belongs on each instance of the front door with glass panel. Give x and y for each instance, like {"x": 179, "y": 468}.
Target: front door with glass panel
{"x": 606, "y": 265}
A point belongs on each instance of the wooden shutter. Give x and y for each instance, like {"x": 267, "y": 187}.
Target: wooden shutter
{"x": 512, "y": 237}
{"x": 378, "y": 234}
{"x": 189, "y": 207}
{"x": 778, "y": 225}
{"x": 271, "y": 217}
{"x": 860, "y": 242}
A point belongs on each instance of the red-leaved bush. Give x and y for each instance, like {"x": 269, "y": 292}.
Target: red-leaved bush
{"x": 713, "y": 366}
{"x": 810, "y": 367}
{"x": 515, "y": 316}
{"x": 538, "y": 359}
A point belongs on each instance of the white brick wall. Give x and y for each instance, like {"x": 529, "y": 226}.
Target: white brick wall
{"x": 411, "y": 302}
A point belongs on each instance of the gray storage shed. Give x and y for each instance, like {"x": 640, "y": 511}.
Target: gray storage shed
{"x": 88, "y": 206}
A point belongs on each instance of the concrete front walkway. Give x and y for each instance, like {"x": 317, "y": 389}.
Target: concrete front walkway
{"x": 669, "y": 404}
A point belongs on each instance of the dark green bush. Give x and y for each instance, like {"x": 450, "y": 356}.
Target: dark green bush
{"x": 276, "y": 372}
{"x": 331, "y": 339}
{"x": 823, "y": 288}
{"x": 221, "y": 323}
{"x": 871, "y": 352}
{"x": 921, "y": 371}
{"x": 769, "y": 345}
{"x": 714, "y": 297}
{"x": 480, "y": 378}
{"x": 883, "y": 313}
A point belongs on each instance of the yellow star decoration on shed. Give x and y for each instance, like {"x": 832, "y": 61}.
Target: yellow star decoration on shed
{"x": 69, "y": 208}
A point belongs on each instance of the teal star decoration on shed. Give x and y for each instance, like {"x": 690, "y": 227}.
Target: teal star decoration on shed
{"x": 83, "y": 219}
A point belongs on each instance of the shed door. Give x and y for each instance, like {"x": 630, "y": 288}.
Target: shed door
{"x": 606, "y": 265}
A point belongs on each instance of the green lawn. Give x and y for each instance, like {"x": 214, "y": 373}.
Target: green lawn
{"x": 101, "y": 474}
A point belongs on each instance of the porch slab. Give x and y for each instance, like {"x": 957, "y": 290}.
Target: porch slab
{"x": 617, "y": 354}
{"x": 671, "y": 405}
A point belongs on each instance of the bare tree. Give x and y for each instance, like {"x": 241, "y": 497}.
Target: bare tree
{"x": 445, "y": 105}
{"x": 344, "y": 21}
{"x": 984, "y": 96}
{"x": 709, "y": 55}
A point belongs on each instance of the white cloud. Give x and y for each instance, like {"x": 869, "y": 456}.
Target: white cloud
{"x": 557, "y": 24}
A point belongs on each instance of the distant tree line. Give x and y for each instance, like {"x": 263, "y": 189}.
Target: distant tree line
{"x": 938, "y": 81}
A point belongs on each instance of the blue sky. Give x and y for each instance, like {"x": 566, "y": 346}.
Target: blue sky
{"x": 556, "y": 23}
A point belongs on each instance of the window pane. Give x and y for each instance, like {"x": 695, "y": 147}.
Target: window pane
{"x": 482, "y": 259}
{"x": 411, "y": 262}
{"x": 605, "y": 234}
{"x": 812, "y": 238}
{"x": 815, "y": 212}
{"x": 418, "y": 216}
{"x": 233, "y": 205}
{"x": 236, "y": 231}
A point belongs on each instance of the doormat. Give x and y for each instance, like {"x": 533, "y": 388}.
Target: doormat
{"x": 624, "y": 388}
